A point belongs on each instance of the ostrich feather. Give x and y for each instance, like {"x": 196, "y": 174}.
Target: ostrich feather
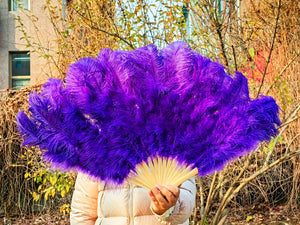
{"x": 122, "y": 108}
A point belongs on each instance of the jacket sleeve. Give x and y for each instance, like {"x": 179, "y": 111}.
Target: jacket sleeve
{"x": 184, "y": 206}
{"x": 84, "y": 201}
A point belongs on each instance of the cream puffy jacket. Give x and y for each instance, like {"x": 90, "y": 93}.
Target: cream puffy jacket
{"x": 95, "y": 203}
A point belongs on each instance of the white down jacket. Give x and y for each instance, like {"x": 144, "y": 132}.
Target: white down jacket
{"x": 96, "y": 203}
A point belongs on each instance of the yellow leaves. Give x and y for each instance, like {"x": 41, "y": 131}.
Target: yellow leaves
{"x": 68, "y": 186}
{"x": 38, "y": 179}
{"x": 272, "y": 143}
{"x": 35, "y": 196}
{"x": 49, "y": 192}
{"x": 53, "y": 180}
{"x": 52, "y": 192}
{"x": 251, "y": 52}
{"x": 212, "y": 11}
{"x": 51, "y": 183}
{"x": 249, "y": 218}
{"x": 46, "y": 195}
{"x": 65, "y": 208}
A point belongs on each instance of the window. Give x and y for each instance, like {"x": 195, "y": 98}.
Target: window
{"x": 185, "y": 20}
{"x": 20, "y": 69}
{"x": 16, "y": 5}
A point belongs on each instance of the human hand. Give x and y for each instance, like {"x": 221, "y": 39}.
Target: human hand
{"x": 163, "y": 198}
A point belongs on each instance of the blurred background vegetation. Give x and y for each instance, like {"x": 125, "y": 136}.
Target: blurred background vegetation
{"x": 258, "y": 38}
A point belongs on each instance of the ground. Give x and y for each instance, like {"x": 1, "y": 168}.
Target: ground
{"x": 53, "y": 218}
{"x": 264, "y": 215}
{"x": 252, "y": 216}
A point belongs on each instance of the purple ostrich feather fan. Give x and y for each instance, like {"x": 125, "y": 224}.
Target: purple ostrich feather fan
{"x": 122, "y": 107}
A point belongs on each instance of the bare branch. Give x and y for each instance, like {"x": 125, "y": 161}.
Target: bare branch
{"x": 271, "y": 48}
{"x": 282, "y": 72}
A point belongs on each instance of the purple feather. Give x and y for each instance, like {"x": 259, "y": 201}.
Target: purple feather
{"x": 118, "y": 109}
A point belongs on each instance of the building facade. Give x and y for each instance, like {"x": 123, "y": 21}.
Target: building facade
{"x": 19, "y": 67}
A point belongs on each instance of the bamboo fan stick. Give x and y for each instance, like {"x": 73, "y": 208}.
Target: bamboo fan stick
{"x": 161, "y": 170}
{"x": 166, "y": 174}
{"x": 164, "y": 165}
{"x": 173, "y": 170}
{"x": 140, "y": 181}
{"x": 155, "y": 169}
{"x": 144, "y": 185}
{"x": 152, "y": 169}
{"x": 143, "y": 178}
{"x": 181, "y": 170}
{"x": 140, "y": 177}
{"x": 169, "y": 170}
{"x": 146, "y": 169}
{"x": 145, "y": 173}
{"x": 185, "y": 177}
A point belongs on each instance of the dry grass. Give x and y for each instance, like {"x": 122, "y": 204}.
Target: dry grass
{"x": 52, "y": 218}
{"x": 15, "y": 194}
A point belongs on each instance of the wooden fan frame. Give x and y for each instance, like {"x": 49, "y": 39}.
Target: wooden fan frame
{"x": 162, "y": 171}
